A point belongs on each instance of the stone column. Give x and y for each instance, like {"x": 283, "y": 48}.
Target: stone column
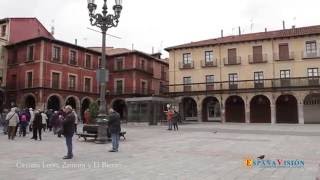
{"x": 222, "y": 114}
{"x": 273, "y": 114}
{"x": 247, "y": 113}
{"x": 300, "y": 113}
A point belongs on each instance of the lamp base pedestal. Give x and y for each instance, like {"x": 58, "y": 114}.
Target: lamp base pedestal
{"x": 102, "y": 136}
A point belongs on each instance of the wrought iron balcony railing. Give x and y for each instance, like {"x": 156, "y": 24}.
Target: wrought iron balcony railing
{"x": 283, "y": 56}
{"x": 186, "y": 65}
{"x": 254, "y": 85}
{"x": 311, "y": 55}
{"x": 255, "y": 59}
{"x": 212, "y": 63}
{"x": 232, "y": 60}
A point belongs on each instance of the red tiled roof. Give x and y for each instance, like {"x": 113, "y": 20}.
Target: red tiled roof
{"x": 294, "y": 32}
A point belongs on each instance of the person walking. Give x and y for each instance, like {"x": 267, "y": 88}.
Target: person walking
{"x": 76, "y": 120}
{"x": 68, "y": 130}
{"x": 23, "y": 123}
{"x": 55, "y": 122}
{"x": 13, "y": 120}
{"x": 44, "y": 121}
{"x": 86, "y": 118}
{"x": 114, "y": 126}
{"x": 31, "y": 119}
{"x": 37, "y": 126}
{"x": 169, "y": 114}
{"x": 175, "y": 119}
{"x": 5, "y": 122}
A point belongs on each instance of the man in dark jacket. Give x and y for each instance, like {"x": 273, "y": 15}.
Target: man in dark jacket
{"x": 114, "y": 126}
{"x": 37, "y": 125}
{"x": 68, "y": 130}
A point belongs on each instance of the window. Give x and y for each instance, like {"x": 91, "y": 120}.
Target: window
{"x": 3, "y": 30}
{"x": 119, "y": 86}
{"x": 55, "y": 80}
{"x": 14, "y": 81}
{"x": 187, "y": 83}
{"x": 30, "y": 56}
{"x": 29, "y": 80}
{"x": 233, "y": 81}
{"x": 210, "y": 82}
{"x": 87, "y": 84}
{"x": 99, "y": 62}
{"x": 119, "y": 64}
{"x": 285, "y": 78}
{"x": 232, "y": 56}
{"x": 311, "y": 47}
{"x": 72, "y": 82}
{"x": 186, "y": 58}
{"x": 144, "y": 88}
{"x": 313, "y": 74}
{"x": 208, "y": 56}
{"x": 73, "y": 57}
{"x": 143, "y": 64}
{"x": 14, "y": 59}
{"x": 284, "y": 51}
{"x": 257, "y": 53}
{"x": 56, "y": 54}
{"x": 258, "y": 79}
{"x": 284, "y": 74}
{"x": 88, "y": 61}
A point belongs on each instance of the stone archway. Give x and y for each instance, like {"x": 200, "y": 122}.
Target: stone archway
{"x": 287, "y": 109}
{"x": 211, "y": 109}
{"x": 30, "y": 101}
{"x": 235, "y": 109}
{"x": 311, "y": 109}
{"x": 54, "y": 103}
{"x": 260, "y": 111}
{"x": 72, "y": 101}
{"x": 189, "y": 107}
{"x": 119, "y": 106}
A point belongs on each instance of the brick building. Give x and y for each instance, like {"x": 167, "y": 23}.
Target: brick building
{"x": 48, "y": 73}
{"x": 13, "y": 30}
{"x": 133, "y": 74}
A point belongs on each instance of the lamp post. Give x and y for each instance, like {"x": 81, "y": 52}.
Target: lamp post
{"x": 103, "y": 21}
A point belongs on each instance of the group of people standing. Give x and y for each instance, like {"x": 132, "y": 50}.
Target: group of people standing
{"x": 173, "y": 117}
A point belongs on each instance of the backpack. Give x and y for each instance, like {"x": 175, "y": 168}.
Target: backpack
{"x": 23, "y": 118}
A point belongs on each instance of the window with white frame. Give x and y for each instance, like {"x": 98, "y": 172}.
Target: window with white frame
{"x": 313, "y": 72}
{"x": 233, "y": 78}
{"x": 55, "y": 80}
{"x": 186, "y": 58}
{"x": 209, "y": 79}
{"x": 208, "y": 56}
{"x": 285, "y": 74}
{"x": 72, "y": 82}
{"x": 311, "y": 47}
{"x": 56, "y": 53}
{"x": 73, "y": 57}
{"x": 88, "y": 61}
{"x": 119, "y": 86}
{"x": 258, "y": 77}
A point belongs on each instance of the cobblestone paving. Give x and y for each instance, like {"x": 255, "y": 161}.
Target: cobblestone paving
{"x": 197, "y": 151}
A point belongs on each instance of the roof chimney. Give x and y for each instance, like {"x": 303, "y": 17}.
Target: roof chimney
{"x": 283, "y": 24}
{"x": 76, "y": 41}
{"x": 239, "y": 31}
{"x": 293, "y": 27}
{"x": 221, "y": 32}
{"x": 265, "y": 30}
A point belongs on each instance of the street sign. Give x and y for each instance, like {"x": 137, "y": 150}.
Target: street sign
{"x": 102, "y": 75}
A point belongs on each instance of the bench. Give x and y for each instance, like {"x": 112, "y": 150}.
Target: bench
{"x": 91, "y": 131}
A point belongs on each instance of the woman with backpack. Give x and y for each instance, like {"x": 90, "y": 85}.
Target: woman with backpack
{"x": 23, "y": 123}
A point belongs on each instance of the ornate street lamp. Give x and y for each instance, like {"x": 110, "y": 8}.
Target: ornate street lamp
{"x": 103, "y": 21}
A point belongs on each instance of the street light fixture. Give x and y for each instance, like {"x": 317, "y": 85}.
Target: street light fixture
{"x": 104, "y": 21}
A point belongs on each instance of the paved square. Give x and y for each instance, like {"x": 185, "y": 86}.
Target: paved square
{"x": 194, "y": 152}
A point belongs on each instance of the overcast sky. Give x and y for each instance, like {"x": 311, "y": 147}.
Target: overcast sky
{"x": 164, "y": 23}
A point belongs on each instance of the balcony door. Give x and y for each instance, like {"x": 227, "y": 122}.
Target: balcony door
{"x": 257, "y": 53}
{"x": 232, "y": 56}
{"x": 285, "y": 78}
{"x": 283, "y": 51}
{"x": 313, "y": 76}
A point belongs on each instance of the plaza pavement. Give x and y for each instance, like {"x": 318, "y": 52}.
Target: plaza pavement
{"x": 197, "y": 151}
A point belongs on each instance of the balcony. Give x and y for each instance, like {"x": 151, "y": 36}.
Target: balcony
{"x": 186, "y": 65}
{"x": 212, "y": 63}
{"x": 263, "y": 85}
{"x": 232, "y": 61}
{"x": 283, "y": 57}
{"x": 311, "y": 55}
{"x": 253, "y": 59}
